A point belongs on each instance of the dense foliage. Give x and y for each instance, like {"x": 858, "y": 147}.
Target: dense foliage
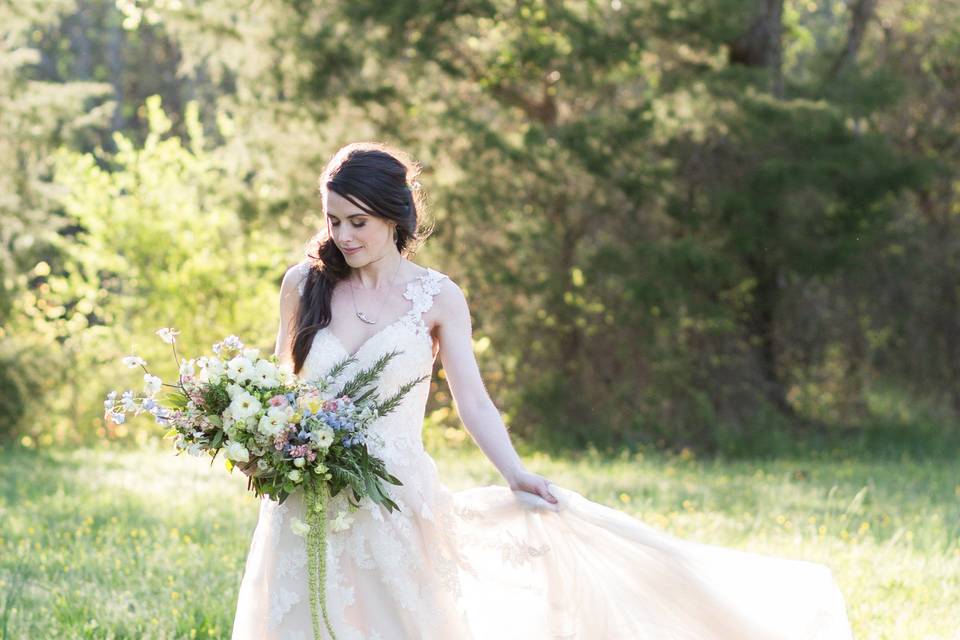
{"x": 721, "y": 225}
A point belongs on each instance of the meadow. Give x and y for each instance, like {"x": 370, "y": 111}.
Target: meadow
{"x": 101, "y": 543}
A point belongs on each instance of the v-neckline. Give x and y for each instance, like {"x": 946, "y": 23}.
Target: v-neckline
{"x": 365, "y": 342}
{"x": 406, "y": 289}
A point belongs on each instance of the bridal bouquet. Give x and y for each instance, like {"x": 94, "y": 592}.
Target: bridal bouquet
{"x": 297, "y": 433}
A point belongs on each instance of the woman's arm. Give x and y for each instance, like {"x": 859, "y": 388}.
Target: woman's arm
{"x": 289, "y": 299}
{"x": 474, "y": 406}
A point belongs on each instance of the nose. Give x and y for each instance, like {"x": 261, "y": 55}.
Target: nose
{"x": 341, "y": 236}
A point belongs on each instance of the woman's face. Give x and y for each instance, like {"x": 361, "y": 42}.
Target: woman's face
{"x": 351, "y": 227}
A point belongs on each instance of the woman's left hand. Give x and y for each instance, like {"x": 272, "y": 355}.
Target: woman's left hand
{"x": 532, "y": 483}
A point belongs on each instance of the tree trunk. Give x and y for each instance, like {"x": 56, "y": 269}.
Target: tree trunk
{"x": 761, "y": 44}
{"x": 860, "y": 15}
{"x": 116, "y": 66}
{"x": 80, "y": 43}
{"x": 762, "y": 326}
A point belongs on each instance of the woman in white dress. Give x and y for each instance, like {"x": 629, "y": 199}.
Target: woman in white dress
{"x": 528, "y": 560}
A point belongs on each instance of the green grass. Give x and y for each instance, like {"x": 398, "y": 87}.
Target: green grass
{"x": 142, "y": 544}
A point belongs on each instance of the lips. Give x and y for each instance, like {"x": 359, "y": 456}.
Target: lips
{"x": 351, "y": 251}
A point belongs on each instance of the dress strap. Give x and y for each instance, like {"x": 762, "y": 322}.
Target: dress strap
{"x": 421, "y": 292}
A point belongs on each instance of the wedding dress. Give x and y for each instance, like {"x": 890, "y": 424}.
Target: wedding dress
{"x": 491, "y": 564}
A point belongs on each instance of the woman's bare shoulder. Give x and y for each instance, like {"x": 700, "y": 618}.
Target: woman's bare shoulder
{"x": 295, "y": 277}
{"x": 450, "y": 300}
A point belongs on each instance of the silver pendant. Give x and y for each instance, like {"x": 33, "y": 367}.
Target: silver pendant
{"x": 364, "y": 318}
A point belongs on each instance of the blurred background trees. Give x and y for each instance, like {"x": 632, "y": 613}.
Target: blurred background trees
{"x": 727, "y": 225}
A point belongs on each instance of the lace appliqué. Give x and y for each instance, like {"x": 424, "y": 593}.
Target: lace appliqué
{"x": 277, "y": 513}
{"x": 281, "y": 601}
{"x": 518, "y": 552}
{"x": 421, "y": 292}
{"x": 291, "y": 563}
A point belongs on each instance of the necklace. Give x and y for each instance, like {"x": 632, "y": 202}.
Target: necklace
{"x": 361, "y": 314}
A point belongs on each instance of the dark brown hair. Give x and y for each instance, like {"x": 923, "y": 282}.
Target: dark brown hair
{"x": 380, "y": 181}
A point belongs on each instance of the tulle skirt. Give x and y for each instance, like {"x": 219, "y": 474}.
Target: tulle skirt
{"x": 491, "y": 564}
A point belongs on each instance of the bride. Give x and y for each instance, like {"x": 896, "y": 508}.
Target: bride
{"x": 528, "y": 560}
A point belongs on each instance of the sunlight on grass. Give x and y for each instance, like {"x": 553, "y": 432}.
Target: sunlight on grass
{"x": 143, "y": 544}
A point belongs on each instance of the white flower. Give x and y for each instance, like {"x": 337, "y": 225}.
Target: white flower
{"x": 134, "y": 361}
{"x": 230, "y": 430}
{"x": 195, "y": 449}
{"x": 322, "y": 436}
{"x": 295, "y": 475}
{"x": 272, "y": 422}
{"x": 151, "y": 384}
{"x": 250, "y": 354}
{"x": 299, "y": 527}
{"x": 186, "y": 368}
{"x": 233, "y": 390}
{"x": 266, "y": 374}
{"x": 168, "y": 334}
{"x": 237, "y": 452}
{"x": 341, "y": 522}
{"x": 244, "y": 406}
{"x": 299, "y": 462}
{"x": 211, "y": 369}
{"x": 240, "y": 369}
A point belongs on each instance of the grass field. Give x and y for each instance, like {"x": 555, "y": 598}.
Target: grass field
{"x": 142, "y": 544}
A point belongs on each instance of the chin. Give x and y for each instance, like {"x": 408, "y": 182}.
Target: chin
{"x": 356, "y": 260}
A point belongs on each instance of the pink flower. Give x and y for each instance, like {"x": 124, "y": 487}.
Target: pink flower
{"x": 278, "y": 400}
{"x": 299, "y": 451}
{"x": 281, "y": 440}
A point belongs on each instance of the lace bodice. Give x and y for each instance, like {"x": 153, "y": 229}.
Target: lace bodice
{"x": 409, "y": 334}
